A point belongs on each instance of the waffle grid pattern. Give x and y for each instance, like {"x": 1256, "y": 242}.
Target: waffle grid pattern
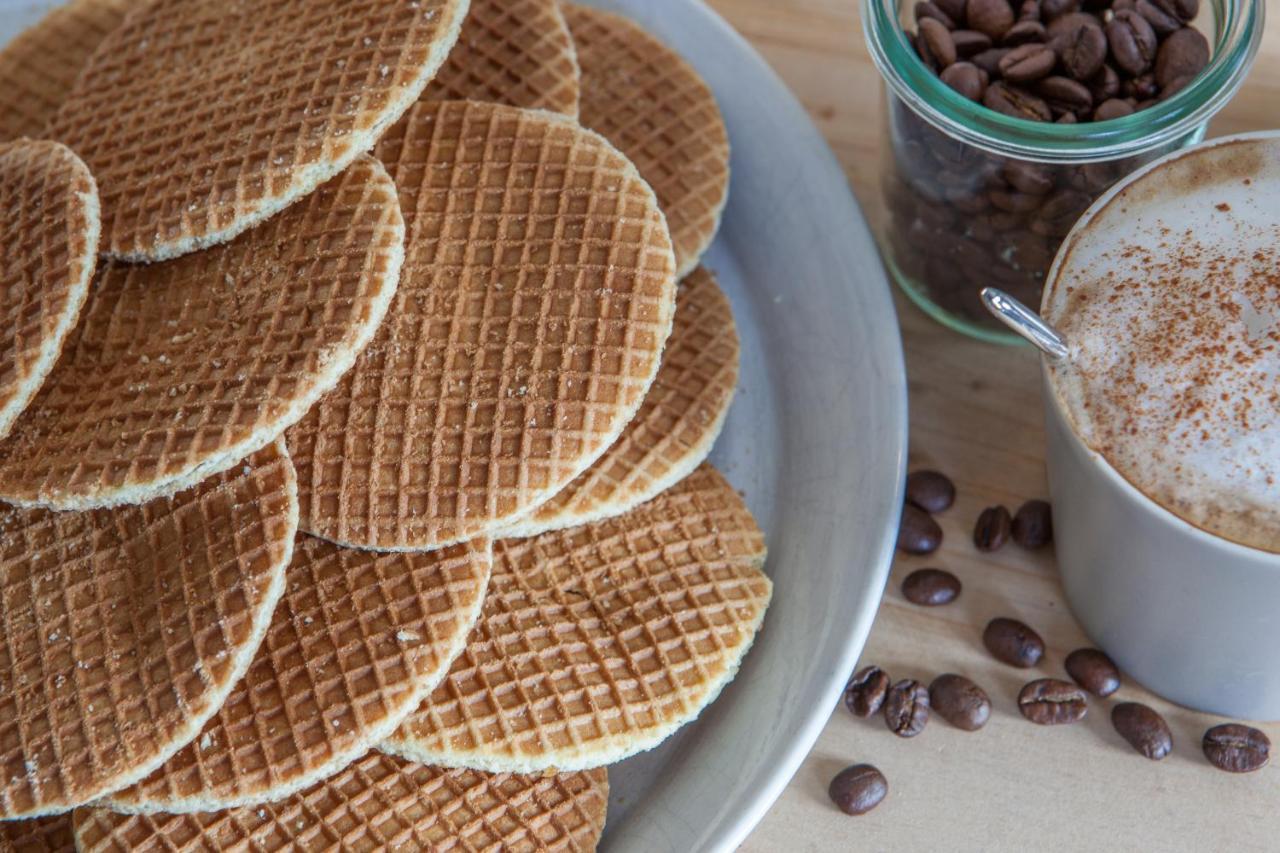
{"x": 538, "y": 293}
{"x": 380, "y": 803}
{"x": 678, "y": 422}
{"x": 645, "y": 99}
{"x": 39, "y": 67}
{"x": 49, "y": 240}
{"x": 515, "y": 52}
{"x": 200, "y": 120}
{"x": 122, "y": 631}
{"x": 178, "y": 370}
{"x": 356, "y": 643}
{"x": 38, "y": 835}
{"x": 599, "y": 641}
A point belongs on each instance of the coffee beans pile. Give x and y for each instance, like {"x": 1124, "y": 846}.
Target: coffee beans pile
{"x": 963, "y": 218}
{"x": 1031, "y": 527}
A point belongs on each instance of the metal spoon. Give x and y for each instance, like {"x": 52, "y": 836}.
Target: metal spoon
{"x": 1025, "y": 322}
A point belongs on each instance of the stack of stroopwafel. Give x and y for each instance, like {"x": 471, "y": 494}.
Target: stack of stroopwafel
{"x": 355, "y": 397}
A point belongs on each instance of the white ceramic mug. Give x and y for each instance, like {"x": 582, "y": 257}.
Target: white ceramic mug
{"x": 1190, "y": 615}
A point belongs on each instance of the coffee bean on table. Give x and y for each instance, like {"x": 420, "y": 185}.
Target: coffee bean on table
{"x": 1132, "y": 41}
{"x": 919, "y": 534}
{"x": 906, "y": 708}
{"x": 1033, "y": 525}
{"x": 932, "y": 491}
{"x": 931, "y": 587}
{"x": 1236, "y": 748}
{"x": 992, "y": 529}
{"x": 865, "y": 692}
{"x": 960, "y": 702}
{"x": 1050, "y": 702}
{"x": 1028, "y": 62}
{"x": 1183, "y": 54}
{"x": 1094, "y": 671}
{"x": 1144, "y": 729}
{"x": 1013, "y": 642}
{"x": 858, "y": 789}
{"x": 990, "y": 17}
{"x": 970, "y": 81}
{"x": 936, "y": 38}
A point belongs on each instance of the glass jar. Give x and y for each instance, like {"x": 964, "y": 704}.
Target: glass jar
{"x": 978, "y": 198}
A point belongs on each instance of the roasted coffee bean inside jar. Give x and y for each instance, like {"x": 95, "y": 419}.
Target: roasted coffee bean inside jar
{"x": 961, "y": 220}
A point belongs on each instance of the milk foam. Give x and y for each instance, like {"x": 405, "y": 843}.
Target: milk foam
{"x": 1170, "y": 304}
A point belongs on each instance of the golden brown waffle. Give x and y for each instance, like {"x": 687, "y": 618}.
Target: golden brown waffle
{"x": 200, "y": 120}
{"x": 357, "y": 642}
{"x": 48, "y": 247}
{"x": 124, "y": 630}
{"x": 380, "y": 803}
{"x": 39, "y": 67}
{"x": 645, "y": 99}
{"x": 514, "y": 52}
{"x": 673, "y": 432}
{"x": 52, "y": 834}
{"x": 599, "y": 641}
{"x": 537, "y": 294}
{"x": 179, "y": 370}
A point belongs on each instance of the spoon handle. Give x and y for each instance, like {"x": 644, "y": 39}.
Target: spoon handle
{"x": 1025, "y": 322}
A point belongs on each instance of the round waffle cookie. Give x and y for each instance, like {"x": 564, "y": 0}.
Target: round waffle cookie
{"x": 537, "y": 294}
{"x": 358, "y": 641}
{"x": 678, "y": 422}
{"x": 515, "y": 52}
{"x": 179, "y": 370}
{"x": 53, "y": 834}
{"x": 124, "y": 630}
{"x": 600, "y": 641}
{"x": 39, "y": 67}
{"x": 645, "y": 99}
{"x": 48, "y": 245}
{"x": 200, "y": 120}
{"x": 379, "y": 803}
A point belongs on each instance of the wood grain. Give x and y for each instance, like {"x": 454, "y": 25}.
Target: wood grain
{"x": 975, "y": 413}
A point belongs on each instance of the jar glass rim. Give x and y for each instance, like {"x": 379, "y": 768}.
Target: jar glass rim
{"x": 1235, "y": 46}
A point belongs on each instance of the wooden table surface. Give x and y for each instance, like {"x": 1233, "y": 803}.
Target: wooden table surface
{"x": 975, "y": 414}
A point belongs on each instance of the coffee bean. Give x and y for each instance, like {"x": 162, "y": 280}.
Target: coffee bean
{"x": 1064, "y": 95}
{"x": 858, "y": 789}
{"x": 1029, "y": 10}
{"x": 1082, "y": 46}
{"x": 906, "y": 708}
{"x": 1053, "y": 9}
{"x": 1014, "y": 202}
{"x": 1013, "y": 642}
{"x": 1185, "y": 10}
{"x": 1059, "y": 212}
{"x": 1104, "y": 85}
{"x": 932, "y": 491}
{"x": 954, "y": 9}
{"x": 1133, "y": 43}
{"x": 1094, "y": 671}
{"x": 1050, "y": 702}
{"x": 1162, "y": 20}
{"x": 1069, "y": 23}
{"x": 1144, "y": 729}
{"x": 1236, "y": 748}
{"x": 919, "y": 534}
{"x": 1028, "y": 62}
{"x": 960, "y": 702}
{"x": 936, "y": 40}
{"x": 931, "y": 587}
{"x": 1026, "y": 177}
{"x": 1024, "y": 32}
{"x": 1175, "y": 86}
{"x": 1016, "y": 102}
{"x": 992, "y": 529}
{"x": 990, "y": 17}
{"x": 971, "y": 82}
{"x": 1033, "y": 525}
{"x": 865, "y": 692}
{"x": 1183, "y": 54}
{"x": 969, "y": 42}
{"x": 1112, "y": 108}
{"x": 926, "y": 11}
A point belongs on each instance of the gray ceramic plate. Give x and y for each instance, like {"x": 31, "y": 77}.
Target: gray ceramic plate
{"x": 816, "y": 440}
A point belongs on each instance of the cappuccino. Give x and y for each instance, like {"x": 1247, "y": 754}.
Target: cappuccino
{"x": 1168, "y": 295}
